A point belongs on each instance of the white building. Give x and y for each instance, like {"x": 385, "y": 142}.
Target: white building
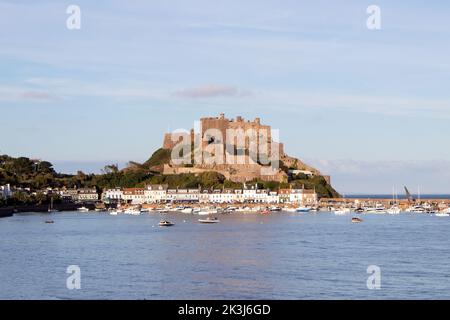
{"x": 87, "y": 194}
{"x": 115, "y": 194}
{"x": 134, "y": 195}
{"x": 303, "y": 197}
{"x": 183, "y": 195}
{"x": 5, "y": 191}
{"x": 261, "y": 196}
{"x": 310, "y": 197}
{"x": 155, "y": 193}
{"x": 69, "y": 194}
{"x": 222, "y": 196}
{"x": 305, "y": 172}
{"x": 273, "y": 197}
{"x": 249, "y": 195}
{"x": 203, "y": 196}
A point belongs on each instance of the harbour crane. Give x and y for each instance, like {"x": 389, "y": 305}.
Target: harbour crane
{"x": 409, "y": 196}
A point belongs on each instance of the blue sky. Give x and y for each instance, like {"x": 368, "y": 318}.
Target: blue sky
{"x": 371, "y": 108}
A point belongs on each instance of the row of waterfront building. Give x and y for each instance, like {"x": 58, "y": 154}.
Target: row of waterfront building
{"x": 69, "y": 194}
{"x": 163, "y": 194}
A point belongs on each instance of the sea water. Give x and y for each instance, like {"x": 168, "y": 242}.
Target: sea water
{"x": 245, "y": 256}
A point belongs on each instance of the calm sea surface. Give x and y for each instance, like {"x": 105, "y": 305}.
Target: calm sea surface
{"x": 277, "y": 256}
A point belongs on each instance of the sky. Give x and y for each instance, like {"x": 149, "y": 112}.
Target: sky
{"x": 369, "y": 107}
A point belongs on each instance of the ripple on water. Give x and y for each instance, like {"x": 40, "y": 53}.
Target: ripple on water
{"x": 319, "y": 256}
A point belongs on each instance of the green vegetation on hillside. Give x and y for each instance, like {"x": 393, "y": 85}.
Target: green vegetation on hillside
{"x": 159, "y": 157}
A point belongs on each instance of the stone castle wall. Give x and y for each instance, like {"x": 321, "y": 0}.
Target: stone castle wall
{"x": 234, "y": 172}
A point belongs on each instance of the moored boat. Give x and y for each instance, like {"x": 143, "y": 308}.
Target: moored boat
{"x": 302, "y": 209}
{"x": 356, "y": 220}
{"x": 442, "y": 214}
{"x": 206, "y": 212}
{"x": 209, "y": 220}
{"x": 83, "y": 209}
{"x": 394, "y": 210}
{"x": 165, "y": 223}
{"x": 133, "y": 211}
{"x": 342, "y": 211}
{"x": 376, "y": 210}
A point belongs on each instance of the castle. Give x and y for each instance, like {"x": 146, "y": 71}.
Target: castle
{"x": 240, "y": 150}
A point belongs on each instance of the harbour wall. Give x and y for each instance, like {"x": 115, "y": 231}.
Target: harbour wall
{"x": 403, "y": 203}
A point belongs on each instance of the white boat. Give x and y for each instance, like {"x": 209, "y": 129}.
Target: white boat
{"x": 442, "y": 214}
{"x": 83, "y": 209}
{"x": 209, "y": 220}
{"x": 114, "y": 213}
{"x": 290, "y": 209}
{"x": 416, "y": 209}
{"x": 187, "y": 210}
{"x": 207, "y": 212}
{"x": 377, "y": 210}
{"x": 133, "y": 212}
{"x": 394, "y": 210}
{"x": 342, "y": 211}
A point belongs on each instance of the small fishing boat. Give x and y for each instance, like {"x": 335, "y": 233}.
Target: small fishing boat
{"x": 83, "y": 209}
{"x": 342, "y": 211}
{"x": 265, "y": 211}
{"x": 302, "y": 209}
{"x": 209, "y": 220}
{"x": 187, "y": 210}
{"x": 165, "y": 223}
{"x": 442, "y": 214}
{"x": 356, "y": 220}
{"x": 207, "y": 211}
{"x": 49, "y": 221}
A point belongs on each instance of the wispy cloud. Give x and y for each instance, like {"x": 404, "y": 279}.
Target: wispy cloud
{"x": 36, "y": 95}
{"x": 18, "y": 94}
{"x": 211, "y": 91}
